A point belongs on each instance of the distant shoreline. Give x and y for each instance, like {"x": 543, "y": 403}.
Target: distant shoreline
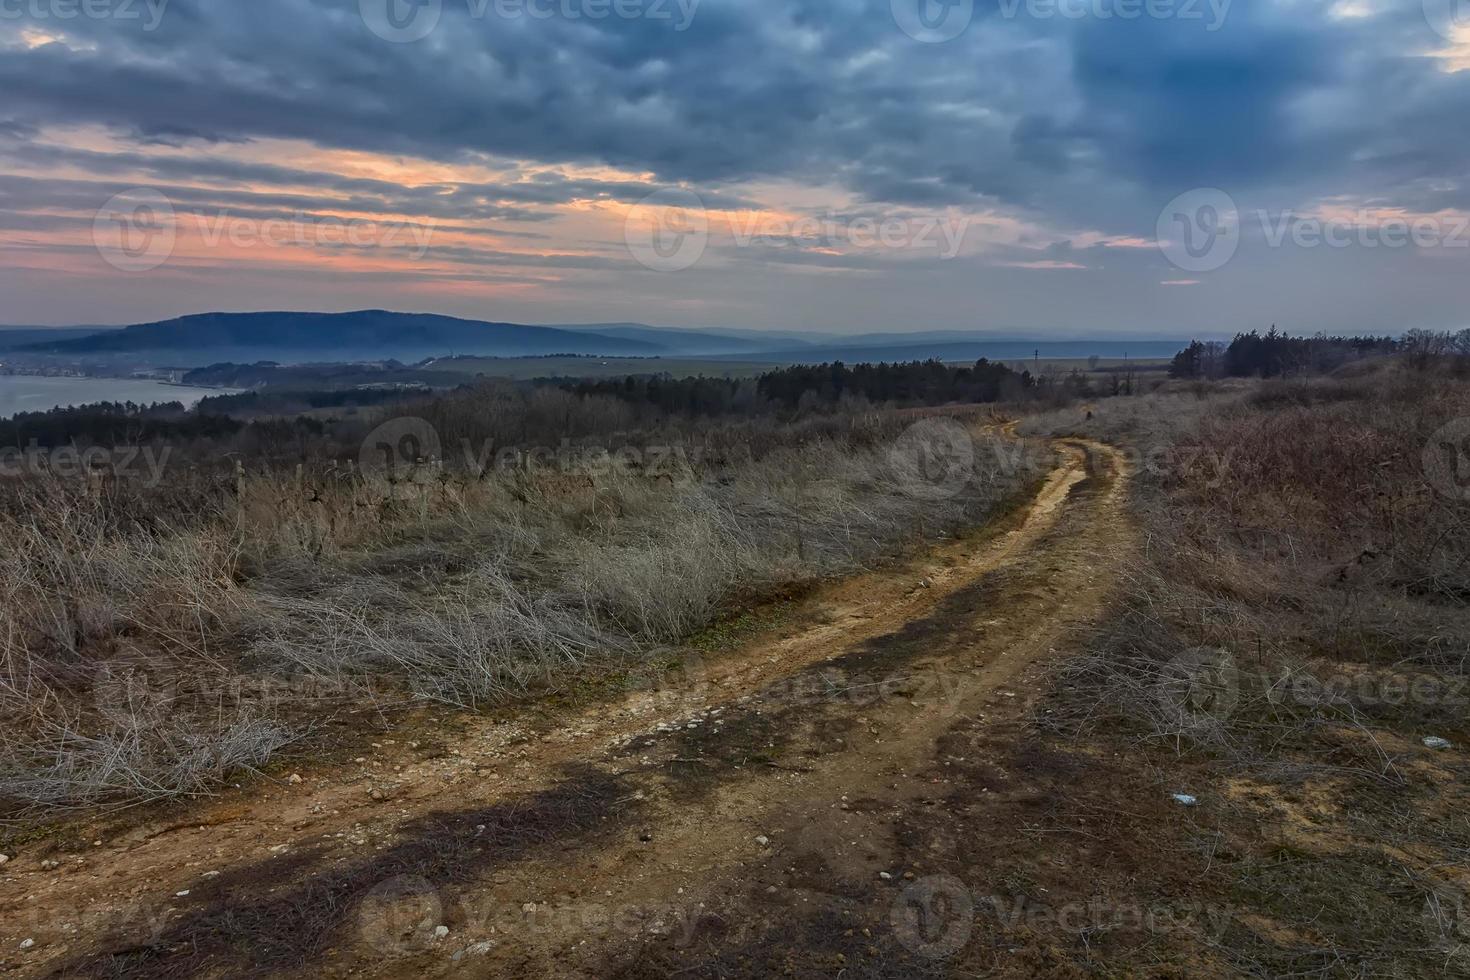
{"x": 23, "y": 393}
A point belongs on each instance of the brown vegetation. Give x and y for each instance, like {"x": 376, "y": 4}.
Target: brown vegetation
{"x": 1298, "y": 629}
{"x": 155, "y": 640}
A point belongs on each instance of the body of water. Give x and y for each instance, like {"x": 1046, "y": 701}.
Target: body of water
{"x": 25, "y": 393}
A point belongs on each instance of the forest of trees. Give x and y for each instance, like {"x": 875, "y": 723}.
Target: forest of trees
{"x": 113, "y": 424}
{"x": 288, "y": 400}
{"x": 821, "y": 385}
{"x": 699, "y": 396}
{"x": 1273, "y": 354}
{"x": 917, "y": 382}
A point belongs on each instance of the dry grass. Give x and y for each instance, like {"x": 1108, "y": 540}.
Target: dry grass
{"x": 1294, "y": 632}
{"x": 445, "y": 584}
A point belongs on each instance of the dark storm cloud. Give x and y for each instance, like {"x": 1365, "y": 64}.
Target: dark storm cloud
{"x": 1017, "y": 110}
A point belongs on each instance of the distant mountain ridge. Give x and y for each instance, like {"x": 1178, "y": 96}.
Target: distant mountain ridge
{"x": 204, "y": 339}
{"x": 364, "y": 334}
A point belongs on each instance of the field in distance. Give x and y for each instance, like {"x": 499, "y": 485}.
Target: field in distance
{"x": 531, "y": 368}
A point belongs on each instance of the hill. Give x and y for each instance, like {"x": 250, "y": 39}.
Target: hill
{"x": 12, "y": 338}
{"x": 362, "y": 335}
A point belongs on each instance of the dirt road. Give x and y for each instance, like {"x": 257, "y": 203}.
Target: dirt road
{"x": 785, "y": 808}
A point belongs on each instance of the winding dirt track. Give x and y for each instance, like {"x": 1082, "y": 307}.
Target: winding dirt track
{"x": 680, "y": 831}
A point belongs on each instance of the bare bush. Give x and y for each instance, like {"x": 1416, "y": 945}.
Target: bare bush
{"x": 448, "y": 583}
{"x": 62, "y": 767}
{"x": 1321, "y": 571}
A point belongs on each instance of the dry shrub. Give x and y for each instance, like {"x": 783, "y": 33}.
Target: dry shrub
{"x": 1345, "y": 479}
{"x": 1290, "y": 636}
{"x": 1324, "y": 565}
{"x": 465, "y": 587}
{"x": 76, "y": 582}
{"x": 60, "y": 767}
{"x": 531, "y": 584}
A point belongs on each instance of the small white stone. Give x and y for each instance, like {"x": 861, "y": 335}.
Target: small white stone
{"x": 1435, "y": 742}
{"x": 28, "y": 944}
{"x": 885, "y": 876}
{"x": 4, "y": 860}
{"x": 440, "y": 932}
{"x": 763, "y": 841}
{"x": 182, "y": 894}
{"x": 1184, "y": 799}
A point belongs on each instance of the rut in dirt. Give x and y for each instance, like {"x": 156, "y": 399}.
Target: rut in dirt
{"x": 850, "y": 722}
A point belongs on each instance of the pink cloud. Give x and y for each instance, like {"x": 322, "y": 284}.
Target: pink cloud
{"x": 1043, "y": 264}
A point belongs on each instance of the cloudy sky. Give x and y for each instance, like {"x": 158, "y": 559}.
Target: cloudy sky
{"x": 1047, "y": 167}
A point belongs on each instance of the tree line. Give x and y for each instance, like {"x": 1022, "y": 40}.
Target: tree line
{"x": 113, "y": 424}
{"x": 1276, "y": 353}
{"x": 814, "y": 386}
{"x": 271, "y": 424}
